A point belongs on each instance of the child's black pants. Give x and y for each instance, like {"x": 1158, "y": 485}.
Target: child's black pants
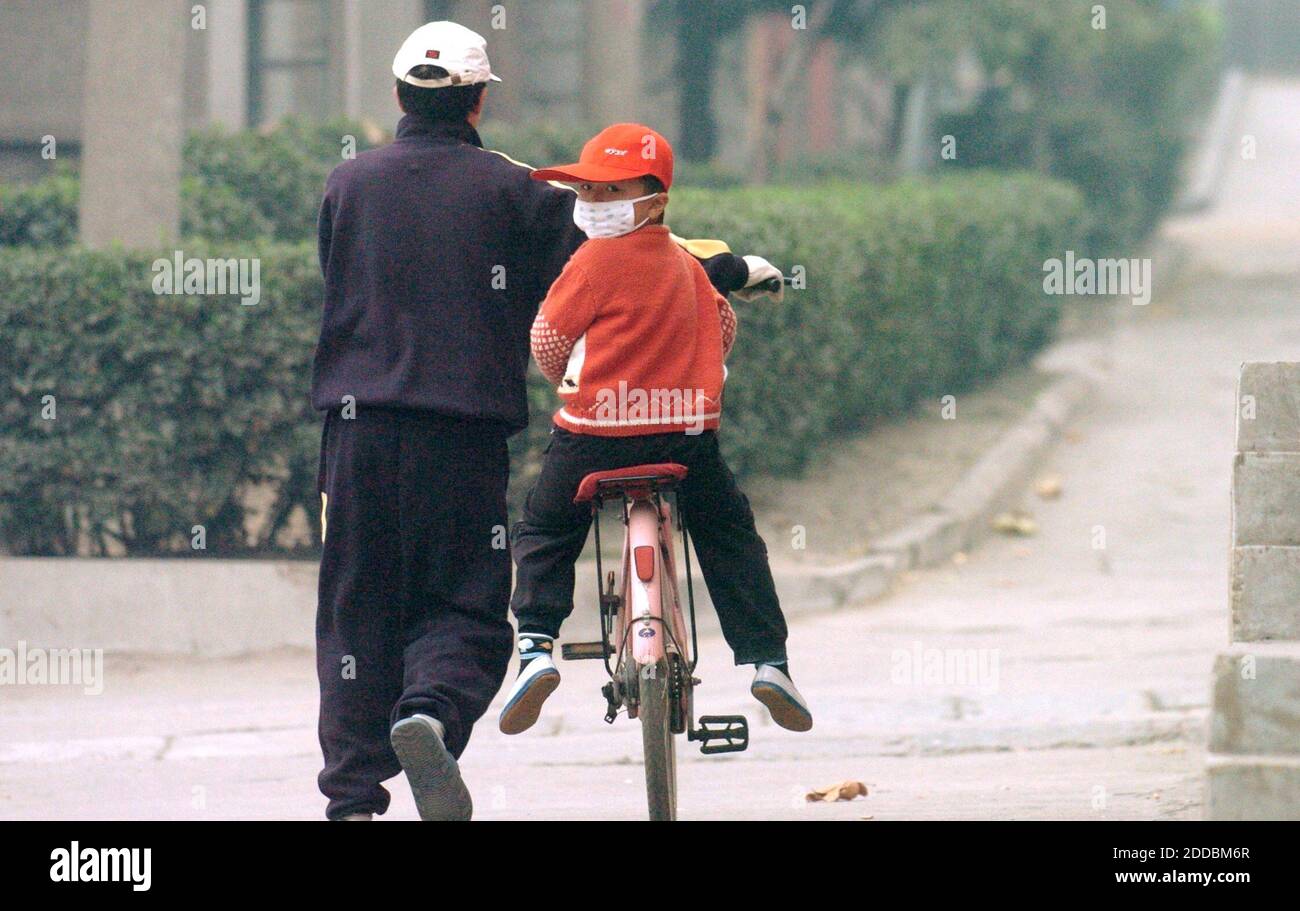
{"x": 549, "y": 538}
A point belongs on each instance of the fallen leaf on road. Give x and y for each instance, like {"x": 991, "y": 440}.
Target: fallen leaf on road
{"x": 845, "y": 790}
{"x": 1015, "y": 523}
{"x": 1048, "y": 486}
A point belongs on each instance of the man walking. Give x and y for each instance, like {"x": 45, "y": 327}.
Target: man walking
{"x": 435, "y": 254}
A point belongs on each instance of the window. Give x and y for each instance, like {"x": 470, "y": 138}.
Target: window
{"x": 288, "y": 60}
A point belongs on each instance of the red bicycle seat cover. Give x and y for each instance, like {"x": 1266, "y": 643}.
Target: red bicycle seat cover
{"x": 664, "y": 471}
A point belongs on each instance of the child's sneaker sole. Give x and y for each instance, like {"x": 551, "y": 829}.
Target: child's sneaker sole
{"x": 785, "y": 711}
{"x": 440, "y": 793}
{"x": 522, "y": 714}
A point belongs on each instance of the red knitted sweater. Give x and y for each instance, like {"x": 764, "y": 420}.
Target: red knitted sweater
{"x": 633, "y": 334}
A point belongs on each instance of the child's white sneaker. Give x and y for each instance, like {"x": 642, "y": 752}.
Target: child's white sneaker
{"x": 774, "y": 688}
{"x": 537, "y": 679}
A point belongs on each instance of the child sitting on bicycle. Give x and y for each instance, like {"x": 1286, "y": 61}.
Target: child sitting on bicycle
{"x": 634, "y": 335}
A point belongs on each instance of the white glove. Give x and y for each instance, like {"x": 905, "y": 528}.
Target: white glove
{"x": 760, "y": 270}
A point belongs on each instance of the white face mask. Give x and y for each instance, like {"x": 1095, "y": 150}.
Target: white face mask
{"x": 608, "y": 219}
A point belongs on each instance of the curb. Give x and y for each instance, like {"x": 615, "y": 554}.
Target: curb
{"x": 1207, "y": 168}
{"x": 962, "y": 518}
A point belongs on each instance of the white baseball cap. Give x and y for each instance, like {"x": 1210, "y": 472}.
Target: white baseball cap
{"x": 458, "y": 50}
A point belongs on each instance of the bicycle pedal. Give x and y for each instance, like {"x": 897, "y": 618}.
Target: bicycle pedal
{"x": 584, "y": 651}
{"x": 732, "y": 729}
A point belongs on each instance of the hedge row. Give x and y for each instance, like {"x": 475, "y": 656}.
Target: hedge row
{"x": 914, "y": 291}
{"x": 168, "y": 411}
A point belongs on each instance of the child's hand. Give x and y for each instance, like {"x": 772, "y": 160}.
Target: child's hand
{"x": 760, "y": 273}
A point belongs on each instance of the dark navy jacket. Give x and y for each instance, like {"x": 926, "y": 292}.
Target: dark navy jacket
{"x": 436, "y": 254}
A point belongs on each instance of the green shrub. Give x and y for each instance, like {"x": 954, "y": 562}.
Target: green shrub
{"x": 536, "y": 144}
{"x": 171, "y": 409}
{"x": 41, "y": 214}
{"x": 167, "y": 409}
{"x": 275, "y": 176}
{"x": 913, "y": 291}
{"x": 255, "y": 184}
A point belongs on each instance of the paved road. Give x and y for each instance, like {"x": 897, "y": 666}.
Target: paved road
{"x": 1089, "y": 643}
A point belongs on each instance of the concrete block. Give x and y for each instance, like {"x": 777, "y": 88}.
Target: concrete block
{"x": 1268, "y": 407}
{"x": 1265, "y": 593}
{"x": 1266, "y": 498}
{"x": 1255, "y": 706}
{"x": 198, "y": 606}
{"x": 134, "y": 122}
{"x": 1252, "y": 788}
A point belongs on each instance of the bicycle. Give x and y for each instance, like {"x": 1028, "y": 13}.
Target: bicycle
{"x": 643, "y": 628}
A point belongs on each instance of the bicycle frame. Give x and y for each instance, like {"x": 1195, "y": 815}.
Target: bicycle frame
{"x": 644, "y": 629}
{"x": 650, "y": 616}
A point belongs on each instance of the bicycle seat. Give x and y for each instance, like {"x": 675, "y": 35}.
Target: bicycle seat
{"x": 636, "y": 479}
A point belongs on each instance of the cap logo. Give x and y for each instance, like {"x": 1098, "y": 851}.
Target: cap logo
{"x": 616, "y": 151}
{"x": 433, "y": 55}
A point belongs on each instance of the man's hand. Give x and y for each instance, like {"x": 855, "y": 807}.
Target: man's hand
{"x": 760, "y": 272}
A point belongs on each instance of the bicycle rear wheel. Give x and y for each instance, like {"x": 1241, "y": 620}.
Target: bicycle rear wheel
{"x": 655, "y": 713}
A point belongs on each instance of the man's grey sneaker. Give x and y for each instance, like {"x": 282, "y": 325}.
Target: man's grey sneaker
{"x": 431, "y": 771}
{"x": 537, "y": 679}
{"x": 777, "y": 691}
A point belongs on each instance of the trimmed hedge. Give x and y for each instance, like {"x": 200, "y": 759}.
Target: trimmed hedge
{"x": 167, "y": 409}
{"x": 41, "y": 214}
{"x": 170, "y": 410}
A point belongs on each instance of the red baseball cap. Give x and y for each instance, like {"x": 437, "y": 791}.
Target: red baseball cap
{"x": 620, "y": 152}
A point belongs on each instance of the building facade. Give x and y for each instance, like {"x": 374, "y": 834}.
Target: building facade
{"x": 248, "y": 63}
